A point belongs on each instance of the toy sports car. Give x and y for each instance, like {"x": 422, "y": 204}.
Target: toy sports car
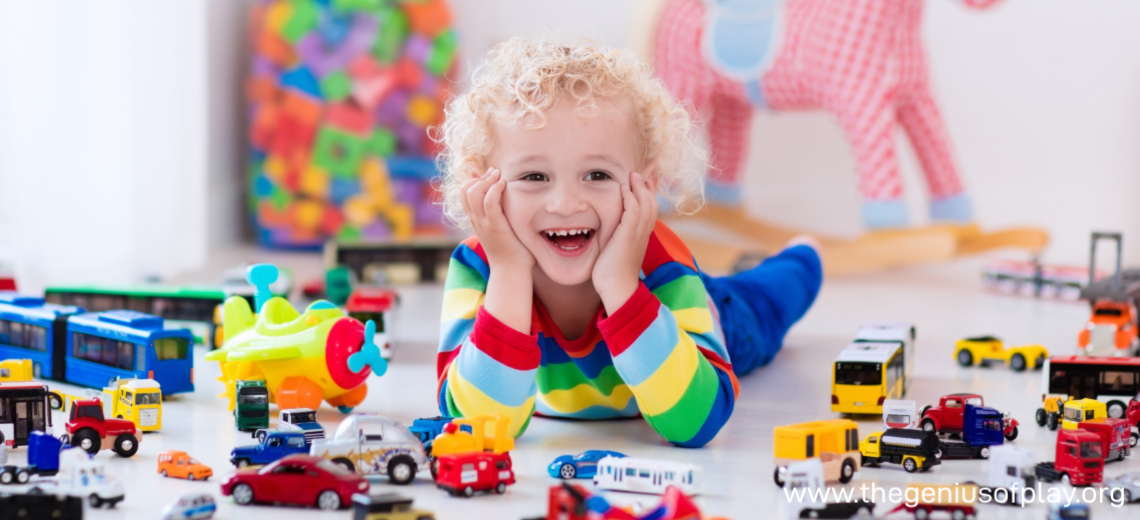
{"x": 984, "y": 350}
{"x": 582, "y": 465}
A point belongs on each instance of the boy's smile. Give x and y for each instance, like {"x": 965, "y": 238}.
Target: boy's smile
{"x": 563, "y": 196}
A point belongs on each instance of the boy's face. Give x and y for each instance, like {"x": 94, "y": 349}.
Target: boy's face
{"x": 563, "y": 197}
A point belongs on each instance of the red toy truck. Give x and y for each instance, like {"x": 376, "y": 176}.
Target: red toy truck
{"x": 948, "y": 415}
{"x": 1079, "y": 459}
{"x": 466, "y": 473}
{"x": 1114, "y": 437}
{"x": 90, "y": 431}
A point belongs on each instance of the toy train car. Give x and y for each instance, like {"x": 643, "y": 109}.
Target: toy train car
{"x": 92, "y": 349}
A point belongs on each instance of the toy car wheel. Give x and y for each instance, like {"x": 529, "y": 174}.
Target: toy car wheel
{"x": 778, "y": 478}
{"x": 965, "y": 358}
{"x": 1017, "y": 363}
{"x": 1127, "y": 496}
{"x": 6, "y": 476}
{"x": 433, "y": 464}
{"x": 36, "y": 491}
{"x": 864, "y": 512}
{"x": 88, "y": 440}
{"x": 568, "y": 471}
{"x": 1065, "y": 479}
{"x": 345, "y": 462}
{"x": 1133, "y": 439}
{"x": 55, "y": 402}
{"x": 501, "y": 488}
{"x": 467, "y": 491}
{"x": 95, "y": 501}
{"x": 910, "y": 465}
{"x": 847, "y": 471}
{"x": 126, "y": 445}
{"x": 1038, "y": 362}
{"x": 401, "y": 470}
{"x": 958, "y": 514}
{"x": 241, "y": 463}
{"x": 921, "y": 513}
{"x": 190, "y": 476}
{"x": 938, "y": 453}
{"x": 1040, "y": 416}
{"x": 1051, "y": 421}
{"x": 928, "y": 425}
{"x": 1012, "y": 434}
{"x": 1116, "y": 409}
{"x": 984, "y": 453}
{"x": 23, "y": 476}
{"x": 328, "y": 500}
{"x": 243, "y": 494}
{"x": 163, "y": 473}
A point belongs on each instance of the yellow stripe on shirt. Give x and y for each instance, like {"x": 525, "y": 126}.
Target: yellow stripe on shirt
{"x": 461, "y": 304}
{"x": 660, "y": 391}
{"x": 584, "y": 396}
{"x": 471, "y": 401}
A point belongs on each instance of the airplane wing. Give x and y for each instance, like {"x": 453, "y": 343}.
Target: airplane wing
{"x": 264, "y": 353}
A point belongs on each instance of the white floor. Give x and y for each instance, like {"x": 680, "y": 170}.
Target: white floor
{"x": 946, "y": 302}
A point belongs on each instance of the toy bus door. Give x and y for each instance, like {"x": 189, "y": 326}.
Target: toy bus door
{"x": 29, "y": 417}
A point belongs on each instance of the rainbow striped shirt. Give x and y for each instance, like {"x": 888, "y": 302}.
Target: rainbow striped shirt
{"x": 662, "y": 354}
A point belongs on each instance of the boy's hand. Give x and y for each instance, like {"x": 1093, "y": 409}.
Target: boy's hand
{"x": 482, "y": 199}
{"x": 615, "y": 274}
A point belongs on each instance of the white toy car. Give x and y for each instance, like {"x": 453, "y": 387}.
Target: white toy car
{"x": 82, "y": 476}
{"x": 373, "y": 444}
{"x": 194, "y": 506}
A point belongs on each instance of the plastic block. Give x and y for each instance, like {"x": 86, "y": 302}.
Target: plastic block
{"x": 321, "y": 59}
{"x": 302, "y": 80}
{"x": 391, "y": 109}
{"x": 362, "y": 35}
{"x": 364, "y": 67}
{"x": 270, "y": 215}
{"x": 382, "y": 143}
{"x": 408, "y": 73}
{"x": 428, "y": 18}
{"x": 338, "y": 152}
{"x": 417, "y": 48}
{"x": 315, "y": 182}
{"x": 262, "y": 186}
{"x": 264, "y": 123}
{"x": 280, "y": 198}
{"x": 399, "y": 216}
{"x": 411, "y": 167}
{"x": 358, "y": 211}
{"x": 263, "y": 67}
{"x": 422, "y": 110}
{"x": 443, "y": 51}
{"x": 348, "y": 232}
{"x": 333, "y": 28}
{"x": 274, "y": 48}
{"x": 332, "y": 220}
{"x": 374, "y": 176}
{"x": 341, "y": 189}
{"x": 307, "y": 214}
{"x": 275, "y": 167}
{"x": 262, "y": 89}
{"x": 378, "y": 230}
{"x": 292, "y": 138}
{"x": 356, "y": 5}
{"x": 407, "y": 190}
{"x": 301, "y": 107}
{"x": 336, "y": 86}
{"x": 303, "y": 19}
{"x": 394, "y": 28}
{"x": 371, "y": 91}
{"x": 292, "y": 181}
{"x": 277, "y": 15}
{"x": 409, "y": 137}
{"x": 349, "y": 117}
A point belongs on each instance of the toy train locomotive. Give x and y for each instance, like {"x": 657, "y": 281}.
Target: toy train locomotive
{"x": 92, "y": 349}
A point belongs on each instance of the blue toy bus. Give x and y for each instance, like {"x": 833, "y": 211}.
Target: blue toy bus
{"x": 93, "y": 349}
{"x": 28, "y": 330}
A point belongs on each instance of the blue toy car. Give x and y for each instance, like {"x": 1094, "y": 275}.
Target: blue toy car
{"x": 1070, "y": 512}
{"x": 273, "y": 446}
{"x": 583, "y": 465}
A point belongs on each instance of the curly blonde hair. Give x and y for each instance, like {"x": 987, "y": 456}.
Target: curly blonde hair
{"x": 526, "y": 77}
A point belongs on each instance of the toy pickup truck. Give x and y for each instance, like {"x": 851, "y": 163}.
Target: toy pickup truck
{"x": 373, "y": 444}
{"x": 302, "y": 420}
{"x": 89, "y": 430}
{"x": 949, "y": 414}
{"x": 272, "y": 446}
{"x": 988, "y": 349}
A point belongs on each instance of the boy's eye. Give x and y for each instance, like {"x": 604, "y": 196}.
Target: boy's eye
{"x": 533, "y": 176}
{"x": 597, "y": 175}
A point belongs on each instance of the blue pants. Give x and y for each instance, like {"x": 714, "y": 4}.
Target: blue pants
{"x": 758, "y": 306}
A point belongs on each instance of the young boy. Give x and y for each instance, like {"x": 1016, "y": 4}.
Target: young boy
{"x": 572, "y": 300}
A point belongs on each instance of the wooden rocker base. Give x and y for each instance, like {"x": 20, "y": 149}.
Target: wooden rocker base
{"x": 873, "y": 251}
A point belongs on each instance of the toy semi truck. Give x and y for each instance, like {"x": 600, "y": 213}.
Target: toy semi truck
{"x": 808, "y": 475}
{"x": 251, "y": 411}
{"x": 981, "y": 427}
{"x": 1079, "y": 459}
{"x": 1114, "y": 434}
{"x": 834, "y": 442}
{"x": 1012, "y": 470}
{"x": 914, "y": 449}
{"x": 136, "y": 400}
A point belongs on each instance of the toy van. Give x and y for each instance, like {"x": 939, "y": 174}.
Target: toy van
{"x": 900, "y": 413}
{"x": 136, "y": 400}
{"x": 834, "y": 442}
{"x": 647, "y": 475}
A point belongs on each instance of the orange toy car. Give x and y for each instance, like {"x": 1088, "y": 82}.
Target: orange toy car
{"x": 1110, "y": 330}
{"x": 178, "y": 464}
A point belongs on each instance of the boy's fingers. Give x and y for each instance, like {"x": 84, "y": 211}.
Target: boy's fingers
{"x": 492, "y": 203}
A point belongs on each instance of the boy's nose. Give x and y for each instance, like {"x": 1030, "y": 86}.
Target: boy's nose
{"x": 565, "y": 201}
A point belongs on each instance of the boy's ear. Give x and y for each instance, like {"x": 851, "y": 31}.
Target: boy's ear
{"x": 651, "y": 176}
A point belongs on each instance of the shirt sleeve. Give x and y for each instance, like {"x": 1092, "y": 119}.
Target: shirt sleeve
{"x": 673, "y": 359}
{"x": 483, "y": 365}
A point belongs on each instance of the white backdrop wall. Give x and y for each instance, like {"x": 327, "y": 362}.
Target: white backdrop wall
{"x": 122, "y": 138}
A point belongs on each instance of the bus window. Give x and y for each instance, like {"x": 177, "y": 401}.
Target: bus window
{"x": 847, "y": 373}
{"x": 170, "y": 348}
{"x": 23, "y": 335}
{"x": 1118, "y": 382}
{"x": 104, "y": 351}
{"x": 138, "y": 304}
{"x": 629, "y": 472}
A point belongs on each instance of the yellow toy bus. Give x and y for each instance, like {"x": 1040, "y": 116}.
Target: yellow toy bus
{"x": 866, "y": 373}
{"x": 1080, "y": 410}
{"x": 16, "y": 370}
{"x": 834, "y": 442}
{"x": 136, "y": 400}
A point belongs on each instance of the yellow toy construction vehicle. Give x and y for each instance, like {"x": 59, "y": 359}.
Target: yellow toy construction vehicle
{"x": 454, "y": 440}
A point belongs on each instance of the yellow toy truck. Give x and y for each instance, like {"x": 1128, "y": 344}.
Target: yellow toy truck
{"x": 455, "y": 440}
{"x": 1080, "y": 410}
{"x": 984, "y": 350}
{"x": 834, "y": 442}
{"x": 136, "y": 400}
{"x": 16, "y": 370}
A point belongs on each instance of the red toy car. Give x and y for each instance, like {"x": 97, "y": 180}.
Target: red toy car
{"x": 90, "y": 431}
{"x": 947, "y": 416}
{"x": 466, "y": 473}
{"x": 298, "y": 480}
